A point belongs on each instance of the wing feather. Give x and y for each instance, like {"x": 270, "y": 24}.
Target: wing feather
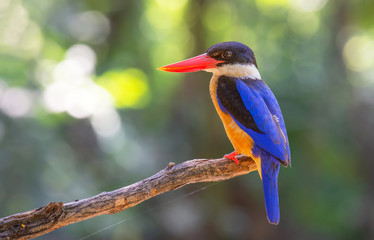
{"x": 254, "y": 108}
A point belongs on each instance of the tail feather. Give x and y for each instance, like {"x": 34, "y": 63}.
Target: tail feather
{"x": 270, "y": 170}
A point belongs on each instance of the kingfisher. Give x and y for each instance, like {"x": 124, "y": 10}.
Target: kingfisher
{"x": 249, "y": 112}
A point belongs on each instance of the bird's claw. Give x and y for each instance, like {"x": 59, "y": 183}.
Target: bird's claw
{"x": 232, "y": 156}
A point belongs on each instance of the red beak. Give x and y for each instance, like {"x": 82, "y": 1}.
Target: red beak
{"x": 194, "y": 64}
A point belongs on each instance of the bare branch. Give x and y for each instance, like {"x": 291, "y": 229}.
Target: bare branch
{"x": 43, "y": 220}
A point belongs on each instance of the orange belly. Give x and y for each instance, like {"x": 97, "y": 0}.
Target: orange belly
{"x": 239, "y": 139}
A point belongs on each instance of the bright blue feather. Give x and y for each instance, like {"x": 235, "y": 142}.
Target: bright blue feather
{"x": 261, "y": 103}
{"x": 270, "y": 170}
{"x": 274, "y": 108}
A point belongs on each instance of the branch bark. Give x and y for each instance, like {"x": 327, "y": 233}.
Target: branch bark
{"x": 43, "y": 220}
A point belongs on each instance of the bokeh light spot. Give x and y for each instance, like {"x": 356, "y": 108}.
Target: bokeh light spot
{"x": 172, "y": 4}
{"x": 90, "y": 26}
{"x": 54, "y": 96}
{"x": 32, "y": 39}
{"x": 16, "y": 102}
{"x": 84, "y": 55}
{"x": 4, "y": 4}
{"x": 129, "y": 87}
{"x": 79, "y": 62}
{"x": 358, "y": 53}
{"x": 308, "y": 5}
{"x": 80, "y": 103}
{"x": 17, "y": 18}
{"x": 19, "y": 36}
{"x": 272, "y": 3}
{"x": 156, "y": 23}
{"x": 106, "y": 123}
{"x": 72, "y": 89}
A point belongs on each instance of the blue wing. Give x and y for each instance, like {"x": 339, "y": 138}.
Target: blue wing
{"x": 255, "y": 109}
{"x": 274, "y": 108}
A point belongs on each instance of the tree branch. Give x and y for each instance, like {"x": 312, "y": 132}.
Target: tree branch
{"x": 43, "y": 220}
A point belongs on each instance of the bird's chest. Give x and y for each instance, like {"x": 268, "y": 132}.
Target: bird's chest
{"x": 240, "y": 140}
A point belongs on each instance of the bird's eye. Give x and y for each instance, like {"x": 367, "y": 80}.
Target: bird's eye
{"x": 226, "y": 55}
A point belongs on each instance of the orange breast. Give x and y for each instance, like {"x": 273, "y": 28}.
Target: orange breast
{"x": 240, "y": 140}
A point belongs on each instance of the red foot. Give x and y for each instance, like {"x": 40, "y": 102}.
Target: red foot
{"x": 232, "y": 156}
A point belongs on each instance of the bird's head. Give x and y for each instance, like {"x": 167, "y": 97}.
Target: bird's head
{"x": 231, "y": 59}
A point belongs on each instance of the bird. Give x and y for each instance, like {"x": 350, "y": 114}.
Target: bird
{"x": 249, "y": 111}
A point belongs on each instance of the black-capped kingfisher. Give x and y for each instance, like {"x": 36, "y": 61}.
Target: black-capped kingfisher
{"x": 249, "y": 112}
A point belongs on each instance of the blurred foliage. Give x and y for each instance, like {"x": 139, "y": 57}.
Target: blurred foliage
{"x": 84, "y": 110}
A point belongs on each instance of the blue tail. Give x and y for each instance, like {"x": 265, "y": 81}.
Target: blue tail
{"x": 270, "y": 170}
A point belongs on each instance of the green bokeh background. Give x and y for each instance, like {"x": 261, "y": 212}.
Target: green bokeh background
{"x": 83, "y": 110}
